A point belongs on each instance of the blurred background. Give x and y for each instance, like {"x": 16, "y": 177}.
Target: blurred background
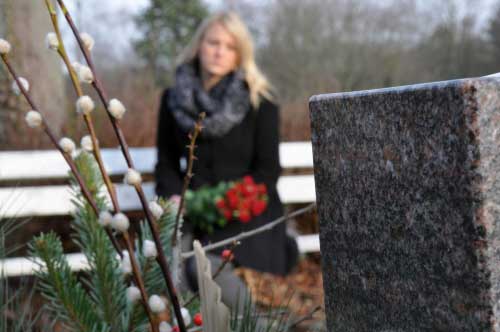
{"x": 305, "y": 47}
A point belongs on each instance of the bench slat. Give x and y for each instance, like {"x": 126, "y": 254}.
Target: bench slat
{"x": 56, "y": 200}
{"x": 35, "y": 164}
{"x": 22, "y": 266}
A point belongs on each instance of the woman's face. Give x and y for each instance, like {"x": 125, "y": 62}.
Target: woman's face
{"x": 218, "y": 52}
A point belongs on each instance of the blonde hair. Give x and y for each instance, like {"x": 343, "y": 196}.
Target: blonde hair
{"x": 257, "y": 83}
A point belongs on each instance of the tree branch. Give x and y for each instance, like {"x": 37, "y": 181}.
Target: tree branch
{"x": 189, "y": 174}
{"x": 251, "y": 233}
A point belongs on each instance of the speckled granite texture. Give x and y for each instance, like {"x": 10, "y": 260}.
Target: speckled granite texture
{"x": 408, "y": 197}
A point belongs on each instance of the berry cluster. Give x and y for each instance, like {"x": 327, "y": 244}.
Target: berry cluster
{"x": 243, "y": 200}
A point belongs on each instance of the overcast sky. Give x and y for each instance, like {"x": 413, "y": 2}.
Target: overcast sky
{"x": 119, "y": 30}
{"x": 118, "y": 26}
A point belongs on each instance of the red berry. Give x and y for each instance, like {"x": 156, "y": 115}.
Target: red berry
{"x": 245, "y": 216}
{"x": 258, "y": 207}
{"x": 231, "y": 192}
{"x": 228, "y": 215}
{"x": 197, "y": 320}
{"x": 227, "y": 255}
{"x": 249, "y": 190}
{"x": 245, "y": 204}
{"x": 247, "y": 179}
{"x": 176, "y": 329}
{"x": 220, "y": 203}
{"x": 239, "y": 187}
{"x": 261, "y": 188}
{"x": 233, "y": 201}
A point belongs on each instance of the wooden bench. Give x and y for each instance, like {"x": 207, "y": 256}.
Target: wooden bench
{"x": 27, "y": 188}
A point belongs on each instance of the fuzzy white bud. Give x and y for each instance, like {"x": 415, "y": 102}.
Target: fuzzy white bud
{"x": 120, "y": 222}
{"x": 126, "y": 264}
{"x": 86, "y": 143}
{"x": 4, "y": 46}
{"x": 33, "y": 119}
{"x": 67, "y": 145}
{"x": 156, "y": 304}
{"x": 116, "y": 108}
{"x": 84, "y": 105}
{"x": 133, "y": 294}
{"x": 105, "y": 218}
{"x": 84, "y": 74}
{"x": 186, "y": 316}
{"x": 76, "y": 65}
{"x": 156, "y": 209}
{"x": 87, "y": 40}
{"x": 132, "y": 177}
{"x": 52, "y": 41}
{"x": 149, "y": 249}
{"x": 165, "y": 327}
{"x": 24, "y": 83}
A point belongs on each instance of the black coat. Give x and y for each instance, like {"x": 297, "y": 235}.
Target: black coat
{"x": 251, "y": 147}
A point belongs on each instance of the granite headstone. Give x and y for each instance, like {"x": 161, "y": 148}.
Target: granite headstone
{"x": 408, "y": 195}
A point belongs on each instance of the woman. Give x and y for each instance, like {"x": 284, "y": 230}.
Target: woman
{"x": 218, "y": 76}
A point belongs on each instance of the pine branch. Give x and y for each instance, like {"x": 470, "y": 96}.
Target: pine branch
{"x": 67, "y": 299}
{"x": 154, "y": 278}
{"x": 107, "y": 283}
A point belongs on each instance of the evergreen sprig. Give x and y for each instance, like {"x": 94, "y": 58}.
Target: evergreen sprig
{"x": 105, "y": 282}
{"x": 153, "y": 277}
{"x": 67, "y": 299}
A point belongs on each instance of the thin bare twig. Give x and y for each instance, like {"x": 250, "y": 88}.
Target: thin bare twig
{"x": 215, "y": 275}
{"x": 253, "y": 232}
{"x": 189, "y": 174}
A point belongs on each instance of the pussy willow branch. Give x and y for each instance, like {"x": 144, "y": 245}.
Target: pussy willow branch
{"x": 61, "y": 50}
{"x": 189, "y": 174}
{"x": 140, "y": 283}
{"x": 66, "y": 156}
{"x": 98, "y": 85}
{"x": 253, "y": 232}
{"x": 161, "y": 259}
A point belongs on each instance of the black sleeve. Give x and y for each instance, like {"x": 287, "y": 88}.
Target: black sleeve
{"x": 266, "y": 162}
{"x": 167, "y": 171}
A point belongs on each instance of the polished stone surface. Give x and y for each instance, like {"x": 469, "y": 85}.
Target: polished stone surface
{"x": 409, "y": 206}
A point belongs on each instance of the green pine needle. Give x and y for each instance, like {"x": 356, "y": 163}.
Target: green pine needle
{"x": 67, "y": 300}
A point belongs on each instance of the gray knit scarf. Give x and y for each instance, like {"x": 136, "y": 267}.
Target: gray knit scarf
{"x": 225, "y": 104}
